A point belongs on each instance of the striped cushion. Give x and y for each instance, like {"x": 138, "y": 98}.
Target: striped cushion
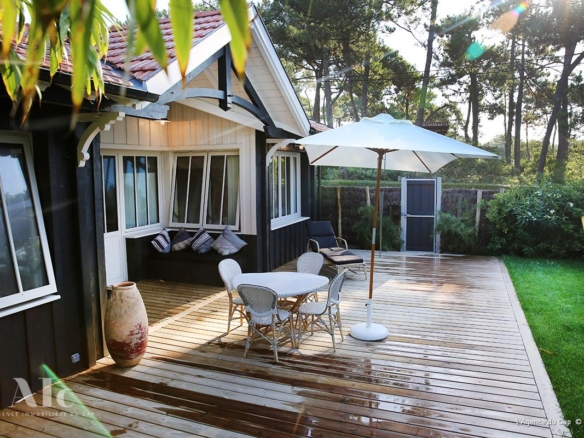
{"x": 181, "y": 240}
{"x": 201, "y": 241}
{"x": 223, "y": 247}
{"x": 162, "y": 241}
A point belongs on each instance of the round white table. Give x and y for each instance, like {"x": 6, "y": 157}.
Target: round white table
{"x": 285, "y": 284}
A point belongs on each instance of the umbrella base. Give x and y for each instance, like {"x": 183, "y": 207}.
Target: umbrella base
{"x": 369, "y": 332}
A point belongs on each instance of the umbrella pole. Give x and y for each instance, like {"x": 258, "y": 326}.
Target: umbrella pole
{"x": 369, "y": 331}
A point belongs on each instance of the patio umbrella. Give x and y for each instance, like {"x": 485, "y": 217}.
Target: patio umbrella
{"x": 405, "y": 146}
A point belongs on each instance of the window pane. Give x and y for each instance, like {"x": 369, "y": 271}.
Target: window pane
{"x": 7, "y": 271}
{"x": 283, "y": 183}
{"x": 293, "y": 186}
{"x": 215, "y": 193}
{"x": 110, "y": 194}
{"x": 195, "y": 190}
{"x": 180, "y": 189}
{"x": 21, "y": 214}
{"x": 153, "y": 190}
{"x": 141, "y": 196}
{"x": 231, "y": 193}
{"x": 129, "y": 192}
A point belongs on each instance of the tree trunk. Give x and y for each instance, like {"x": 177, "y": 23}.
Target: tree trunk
{"x": 365, "y": 87}
{"x": 563, "y": 132}
{"x": 474, "y": 97}
{"x": 511, "y": 103}
{"x": 467, "y": 122}
{"x": 316, "y": 107}
{"x": 426, "y": 79}
{"x": 519, "y": 108}
{"x": 561, "y": 89}
{"x": 527, "y": 152}
{"x": 327, "y": 90}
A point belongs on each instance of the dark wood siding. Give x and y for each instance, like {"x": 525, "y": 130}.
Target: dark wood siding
{"x": 50, "y": 334}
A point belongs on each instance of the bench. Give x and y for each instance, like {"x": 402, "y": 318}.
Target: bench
{"x": 186, "y": 266}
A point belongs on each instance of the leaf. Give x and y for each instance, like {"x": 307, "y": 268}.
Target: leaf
{"x": 11, "y": 74}
{"x": 182, "y": 14}
{"x": 235, "y": 15}
{"x": 144, "y": 13}
{"x": 11, "y": 9}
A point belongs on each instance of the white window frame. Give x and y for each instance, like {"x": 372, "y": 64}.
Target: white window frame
{"x": 281, "y": 221}
{"x": 119, "y": 156}
{"x": 45, "y": 294}
{"x": 202, "y": 222}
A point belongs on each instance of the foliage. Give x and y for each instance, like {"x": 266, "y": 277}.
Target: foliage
{"x": 85, "y": 25}
{"x": 538, "y": 220}
{"x": 551, "y": 293}
{"x": 457, "y": 235}
{"x": 390, "y": 233}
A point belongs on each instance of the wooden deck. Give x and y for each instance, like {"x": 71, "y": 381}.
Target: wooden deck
{"x": 459, "y": 361}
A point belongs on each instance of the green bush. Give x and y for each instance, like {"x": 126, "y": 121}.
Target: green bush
{"x": 391, "y": 233}
{"x": 457, "y": 235}
{"x": 538, "y": 221}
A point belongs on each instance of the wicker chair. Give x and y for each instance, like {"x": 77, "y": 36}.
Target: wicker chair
{"x": 310, "y": 263}
{"x": 311, "y": 315}
{"x": 228, "y": 269}
{"x": 264, "y": 318}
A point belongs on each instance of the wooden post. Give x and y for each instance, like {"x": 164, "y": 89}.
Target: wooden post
{"x": 478, "y": 213}
{"x": 367, "y": 197}
{"x": 339, "y": 211}
{"x": 459, "y": 207}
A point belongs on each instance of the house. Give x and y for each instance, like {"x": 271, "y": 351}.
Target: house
{"x": 79, "y": 208}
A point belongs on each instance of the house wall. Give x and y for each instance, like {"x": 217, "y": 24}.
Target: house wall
{"x": 50, "y": 334}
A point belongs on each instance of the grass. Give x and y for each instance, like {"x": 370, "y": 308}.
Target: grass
{"x": 551, "y": 293}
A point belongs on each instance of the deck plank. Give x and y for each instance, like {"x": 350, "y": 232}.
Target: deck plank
{"x": 456, "y": 363}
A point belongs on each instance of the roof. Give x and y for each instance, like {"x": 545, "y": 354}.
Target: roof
{"x": 318, "y": 127}
{"x": 109, "y": 75}
{"x": 144, "y": 66}
{"x": 438, "y": 127}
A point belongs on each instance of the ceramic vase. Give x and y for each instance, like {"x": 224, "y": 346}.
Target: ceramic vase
{"x": 126, "y": 324}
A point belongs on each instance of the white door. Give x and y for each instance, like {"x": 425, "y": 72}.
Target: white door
{"x": 115, "y": 248}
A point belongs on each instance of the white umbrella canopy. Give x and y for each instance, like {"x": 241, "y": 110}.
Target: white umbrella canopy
{"x": 408, "y": 147}
{"x": 404, "y": 146}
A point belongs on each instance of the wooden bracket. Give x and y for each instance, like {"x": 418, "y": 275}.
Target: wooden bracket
{"x": 103, "y": 122}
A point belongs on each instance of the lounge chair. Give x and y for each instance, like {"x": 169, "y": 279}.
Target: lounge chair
{"x": 322, "y": 239}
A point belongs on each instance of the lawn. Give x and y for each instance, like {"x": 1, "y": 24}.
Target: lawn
{"x": 551, "y": 293}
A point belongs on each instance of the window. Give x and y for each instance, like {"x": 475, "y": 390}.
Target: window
{"x": 206, "y": 190}
{"x": 140, "y": 177}
{"x": 26, "y": 273}
{"x": 284, "y": 187}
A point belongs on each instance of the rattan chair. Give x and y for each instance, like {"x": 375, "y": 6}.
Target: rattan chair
{"x": 228, "y": 269}
{"x": 264, "y": 318}
{"x": 311, "y": 315}
{"x": 310, "y": 263}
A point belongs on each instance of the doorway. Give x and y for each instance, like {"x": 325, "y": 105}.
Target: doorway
{"x": 420, "y": 203}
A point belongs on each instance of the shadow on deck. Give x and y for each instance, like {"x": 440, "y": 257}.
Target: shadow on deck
{"x": 459, "y": 361}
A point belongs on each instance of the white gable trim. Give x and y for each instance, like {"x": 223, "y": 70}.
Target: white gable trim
{"x": 260, "y": 35}
{"x": 161, "y": 82}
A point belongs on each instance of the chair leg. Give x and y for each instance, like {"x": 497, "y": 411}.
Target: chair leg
{"x": 231, "y": 311}
{"x": 248, "y": 340}
{"x": 274, "y": 342}
{"x": 338, "y": 317}
{"x": 332, "y": 331}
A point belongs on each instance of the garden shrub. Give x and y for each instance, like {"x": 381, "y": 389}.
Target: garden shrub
{"x": 538, "y": 221}
{"x": 457, "y": 235}
{"x": 391, "y": 240}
